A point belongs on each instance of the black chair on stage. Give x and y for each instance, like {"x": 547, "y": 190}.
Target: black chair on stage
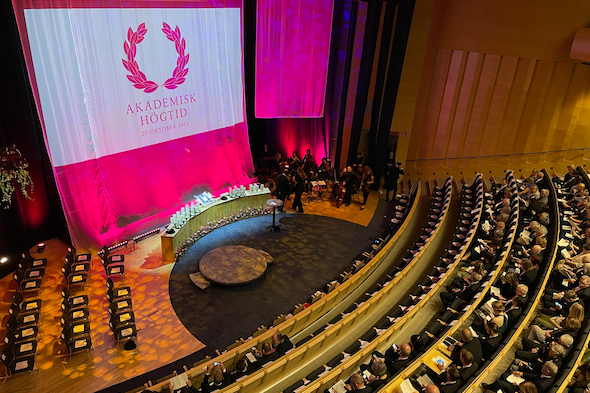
{"x": 27, "y": 284}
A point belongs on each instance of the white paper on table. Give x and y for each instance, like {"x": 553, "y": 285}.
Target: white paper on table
{"x": 473, "y": 332}
{"x": 486, "y": 226}
{"x": 565, "y": 253}
{"x": 565, "y": 283}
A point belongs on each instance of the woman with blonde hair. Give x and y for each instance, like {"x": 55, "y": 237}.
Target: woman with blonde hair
{"x": 570, "y": 324}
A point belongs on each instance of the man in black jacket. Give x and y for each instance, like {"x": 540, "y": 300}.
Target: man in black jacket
{"x": 492, "y": 341}
{"x": 469, "y": 343}
{"x": 542, "y": 381}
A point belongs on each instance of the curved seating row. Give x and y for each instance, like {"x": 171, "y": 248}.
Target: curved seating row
{"x": 506, "y": 349}
{"x": 401, "y": 314}
{"x": 457, "y": 318}
{"x": 305, "y": 316}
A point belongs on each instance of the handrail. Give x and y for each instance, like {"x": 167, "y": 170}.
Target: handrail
{"x": 384, "y": 336}
{"x": 482, "y": 374}
{"x": 408, "y": 371}
{"x": 316, "y": 307}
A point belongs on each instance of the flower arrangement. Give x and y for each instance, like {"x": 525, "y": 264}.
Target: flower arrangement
{"x": 213, "y": 225}
{"x": 13, "y": 168}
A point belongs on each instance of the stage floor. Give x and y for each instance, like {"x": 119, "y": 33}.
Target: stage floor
{"x": 162, "y": 338}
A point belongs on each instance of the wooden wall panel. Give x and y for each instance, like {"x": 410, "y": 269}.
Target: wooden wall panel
{"x": 498, "y": 88}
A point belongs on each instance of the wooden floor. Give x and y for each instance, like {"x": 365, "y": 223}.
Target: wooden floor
{"x": 161, "y": 338}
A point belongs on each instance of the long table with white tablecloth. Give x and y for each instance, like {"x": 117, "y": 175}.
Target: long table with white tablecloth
{"x": 215, "y": 210}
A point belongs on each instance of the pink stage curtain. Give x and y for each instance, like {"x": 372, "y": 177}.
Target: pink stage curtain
{"x": 287, "y": 135}
{"x": 292, "y": 53}
{"x": 142, "y": 107}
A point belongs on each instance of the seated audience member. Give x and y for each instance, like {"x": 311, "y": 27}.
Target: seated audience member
{"x": 565, "y": 340}
{"x": 214, "y": 378}
{"x": 404, "y": 357}
{"x": 507, "y": 285}
{"x": 281, "y": 343}
{"x": 452, "y": 380}
{"x": 459, "y": 290}
{"x": 542, "y": 381}
{"x": 357, "y": 383}
{"x": 469, "y": 343}
{"x": 491, "y": 341}
{"x": 468, "y": 365}
{"x": 570, "y": 325}
{"x": 532, "y": 361}
{"x": 561, "y": 306}
{"x": 266, "y": 354}
{"x": 515, "y": 310}
{"x": 498, "y": 317}
{"x": 528, "y": 273}
{"x": 241, "y": 370}
{"x": 380, "y": 376}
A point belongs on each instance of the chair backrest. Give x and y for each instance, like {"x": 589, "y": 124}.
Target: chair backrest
{"x": 127, "y": 316}
{"x": 120, "y": 304}
{"x": 25, "y": 348}
{"x": 23, "y": 364}
{"x": 112, "y": 270}
{"x": 17, "y": 297}
{"x": 80, "y": 343}
{"x": 77, "y": 328}
{"x": 7, "y": 356}
{"x": 18, "y": 276}
{"x": 66, "y": 270}
{"x": 126, "y": 332}
{"x": 14, "y": 309}
{"x": 65, "y": 293}
{"x": 71, "y": 250}
{"x": 28, "y": 319}
{"x": 110, "y": 283}
{"x": 12, "y": 324}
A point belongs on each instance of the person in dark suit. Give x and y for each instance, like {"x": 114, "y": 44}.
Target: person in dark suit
{"x": 452, "y": 382}
{"x": 281, "y": 343}
{"x": 283, "y": 188}
{"x": 532, "y": 361}
{"x": 404, "y": 358}
{"x": 468, "y": 366}
{"x": 515, "y": 310}
{"x": 357, "y": 383}
{"x": 491, "y": 341}
{"x": 468, "y": 342}
{"x": 542, "y": 381}
{"x": 529, "y": 273}
{"x": 463, "y": 289}
{"x": 298, "y": 187}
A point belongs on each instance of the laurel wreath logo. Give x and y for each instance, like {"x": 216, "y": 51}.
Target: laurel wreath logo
{"x": 137, "y": 77}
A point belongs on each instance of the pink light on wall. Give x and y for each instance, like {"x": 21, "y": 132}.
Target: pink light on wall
{"x": 292, "y": 53}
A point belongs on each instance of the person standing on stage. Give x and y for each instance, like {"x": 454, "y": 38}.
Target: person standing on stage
{"x": 298, "y": 188}
{"x": 349, "y": 185}
{"x": 393, "y": 170}
{"x": 367, "y": 180}
{"x": 283, "y": 188}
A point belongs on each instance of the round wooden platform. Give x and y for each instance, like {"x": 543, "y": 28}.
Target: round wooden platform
{"x": 234, "y": 265}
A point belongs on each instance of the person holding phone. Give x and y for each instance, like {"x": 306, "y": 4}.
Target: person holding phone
{"x": 214, "y": 378}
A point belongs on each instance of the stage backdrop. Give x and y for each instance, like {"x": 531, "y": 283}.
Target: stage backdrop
{"x": 142, "y": 108}
{"x": 292, "y": 54}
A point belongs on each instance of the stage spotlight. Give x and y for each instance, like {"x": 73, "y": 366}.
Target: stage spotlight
{"x": 3, "y": 260}
{"x": 40, "y": 248}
